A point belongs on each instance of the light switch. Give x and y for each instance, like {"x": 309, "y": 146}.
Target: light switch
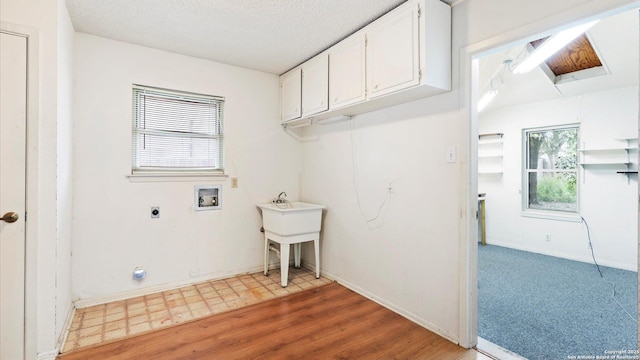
{"x": 452, "y": 156}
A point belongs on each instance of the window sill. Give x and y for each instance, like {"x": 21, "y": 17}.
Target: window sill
{"x": 550, "y": 215}
{"x": 174, "y": 177}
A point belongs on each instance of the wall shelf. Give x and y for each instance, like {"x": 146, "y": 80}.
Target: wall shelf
{"x": 611, "y": 150}
{"x": 605, "y": 163}
{"x": 620, "y": 158}
{"x": 490, "y": 154}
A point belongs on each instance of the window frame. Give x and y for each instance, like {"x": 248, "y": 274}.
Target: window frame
{"x": 548, "y": 213}
{"x": 176, "y": 171}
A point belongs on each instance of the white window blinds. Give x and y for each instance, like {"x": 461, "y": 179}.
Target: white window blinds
{"x": 176, "y": 131}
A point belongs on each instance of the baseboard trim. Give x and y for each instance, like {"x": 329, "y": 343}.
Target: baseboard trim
{"x": 400, "y": 311}
{"x": 49, "y": 355}
{"x": 195, "y": 279}
{"x": 496, "y": 351}
{"x": 587, "y": 259}
{"x": 66, "y": 327}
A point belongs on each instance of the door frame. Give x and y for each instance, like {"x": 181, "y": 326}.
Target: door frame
{"x": 470, "y": 93}
{"x": 31, "y": 226}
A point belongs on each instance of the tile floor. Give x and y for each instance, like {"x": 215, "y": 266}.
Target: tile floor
{"x": 95, "y": 324}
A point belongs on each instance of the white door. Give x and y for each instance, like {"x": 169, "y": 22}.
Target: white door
{"x": 393, "y": 60}
{"x": 346, "y": 72}
{"x": 13, "y": 116}
{"x": 315, "y": 85}
{"x": 291, "y": 95}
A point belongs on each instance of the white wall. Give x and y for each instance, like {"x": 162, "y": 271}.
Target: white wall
{"x": 413, "y": 258}
{"x": 607, "y": 201}
{"x": 64, "y": 179}
{"x": 407, "y": 257}
{"x": 112, "y": 229}
{"x": 47, "y": 234}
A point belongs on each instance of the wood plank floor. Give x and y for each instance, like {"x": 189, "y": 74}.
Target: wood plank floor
{"x": 327, "y": 322}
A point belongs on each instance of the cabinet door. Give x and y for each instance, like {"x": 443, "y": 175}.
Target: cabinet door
{"x": 290, "y": 95}
{"x": 315, "y": 85}
{"x": 346, "y": 72}
{"x": 393, "y": 61}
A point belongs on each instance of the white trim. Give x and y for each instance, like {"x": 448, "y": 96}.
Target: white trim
{"x": 32, "y": 192}
{"x": 48, "y": 355}
{"x": 468, "y": 101}
{"x": 468, "y": 283}
{"x": 174, "y": 177}
{"x": 525, "y": 171}
{"x": 400, "y": 311}
{"x": 495, "y": 350}
{"x": 65, "y": 328}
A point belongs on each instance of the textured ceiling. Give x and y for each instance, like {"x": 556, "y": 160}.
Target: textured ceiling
{"x": 266, "y": 35}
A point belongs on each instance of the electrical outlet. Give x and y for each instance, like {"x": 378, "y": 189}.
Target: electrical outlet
{"x": 547, "y": 238}
{"x": 155, "y": 212}
{"x": 234, "y": 182}
{"x": 390, "y": 186}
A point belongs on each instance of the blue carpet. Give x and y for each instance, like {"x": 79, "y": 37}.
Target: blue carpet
{"x": 545, "y": 308}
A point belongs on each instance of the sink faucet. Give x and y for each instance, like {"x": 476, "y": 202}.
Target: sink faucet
{"x": 280, "y": 198}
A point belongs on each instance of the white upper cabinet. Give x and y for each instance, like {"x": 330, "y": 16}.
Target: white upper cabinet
{"x": 347, "y": 72}
{"x": 403, "y": 56}
{"x": 315, "y": 85}
{"x": 393, "y": 52}
{"x": 291, "y": 95}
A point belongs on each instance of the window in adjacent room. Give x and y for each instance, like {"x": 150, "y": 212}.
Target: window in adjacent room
{"x": 176, "y": 132}
{"x": 551, "y": 172}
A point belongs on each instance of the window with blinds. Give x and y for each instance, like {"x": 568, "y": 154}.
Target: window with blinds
{"x": 176, "y": 131}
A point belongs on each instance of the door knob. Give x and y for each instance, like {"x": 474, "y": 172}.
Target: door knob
{"x": 10, "y": 217}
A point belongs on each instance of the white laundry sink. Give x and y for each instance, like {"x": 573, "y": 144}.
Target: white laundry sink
{"x": 291, "y": 223}
{"x": 291, "y": 218}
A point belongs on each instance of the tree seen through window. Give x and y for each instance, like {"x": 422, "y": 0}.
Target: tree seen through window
{"x": 551, "y": 169}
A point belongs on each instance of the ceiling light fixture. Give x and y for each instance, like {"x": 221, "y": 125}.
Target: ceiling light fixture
{"x": 486, "y": 99}
{"x": 551, "y": 46}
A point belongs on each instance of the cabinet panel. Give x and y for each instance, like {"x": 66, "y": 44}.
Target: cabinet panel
{"x": 403, "y": 56}
{"x": 393, "y": 61}
{"x": 290, "y": 93}
{"x": 315, "y": 85}
{"x": 347, "y": 72}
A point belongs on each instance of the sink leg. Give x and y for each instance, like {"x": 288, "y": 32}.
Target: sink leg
{"x": 284, "y": 264}
{"x": 316, "y": 248}
{"x": 296, "y": 254}
{"x": 266, "y": 255}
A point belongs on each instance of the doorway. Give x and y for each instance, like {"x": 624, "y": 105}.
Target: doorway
{"x": 561, "y": 233}
{"x": 13, "y": 122}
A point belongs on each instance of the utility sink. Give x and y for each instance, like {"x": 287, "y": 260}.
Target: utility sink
{"x": 291, "y": 223}
{"x": 291, "y": 218}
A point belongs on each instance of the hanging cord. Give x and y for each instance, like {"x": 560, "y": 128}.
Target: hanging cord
{"x": 613, "y": 285}
{"x": 355, "y": 185}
